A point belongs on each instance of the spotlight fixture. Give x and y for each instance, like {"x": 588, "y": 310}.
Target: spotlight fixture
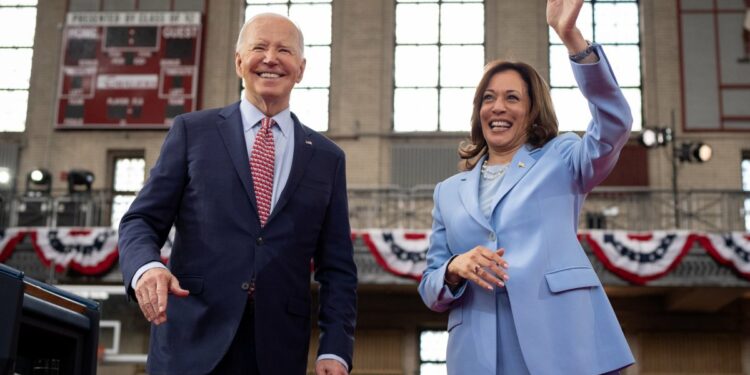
{"x": 80, "y": 181}
{"x": 655, "y": 137}
{"x": 695, "y": 152}
{"x": 5, "y": 176}
{"x": 38, "y": 183}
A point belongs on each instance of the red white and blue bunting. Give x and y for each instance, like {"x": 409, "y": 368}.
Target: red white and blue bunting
{"x": 89, "y": 251}
{"x": 731, "y": 249}
{"x": 639, "y": 257}
{"x": 401, "y": 252}
{"x": 635, "y": 257}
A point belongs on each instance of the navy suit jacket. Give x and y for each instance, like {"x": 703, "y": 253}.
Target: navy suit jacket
{"x": 202, "y": 184}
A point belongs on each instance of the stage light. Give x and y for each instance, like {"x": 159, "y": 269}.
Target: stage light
{"x": 695, "y": 152}
{"x": 655, "y": 137}
{"x": 38, "y": 183}
{"x": 80, "y": 181}
{"x": 5, "y": 176}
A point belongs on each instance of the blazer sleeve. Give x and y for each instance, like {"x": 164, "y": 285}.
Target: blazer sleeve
{"x": 593, "y": 157}
{"x": 337, "y": 274}
{"x": 435, "y": 294}
{"x": 144, "y": 228}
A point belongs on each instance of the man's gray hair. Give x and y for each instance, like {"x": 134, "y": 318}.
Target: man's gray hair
{"x": 241, "y": 37}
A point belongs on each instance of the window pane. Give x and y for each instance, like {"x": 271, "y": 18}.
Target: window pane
{"x": 311, "y": 107}
{"x": 252, "y": 10}
{"x": 616, "y": 23}
{"x": 455, "y": 109}
{"x": 265, "y": 1}
{"x": 432, "y": 346}
{"x": 571, "y": 109}
{"x": 433, "y": 369}
{"x": 584, "y": 23}
{"x": 129, "y": 174}
{"x": 417, "y": 1}
{"x": 315, "y": 22}
{"x": 311, "y": 1}
{"x": 13, "y": 110}
{"x": 416, "y": 23}
{"x": 633, "y": 96}
{"x": 560, "y": 71}
{"x": 462, "y": 23}
{"x": 413, "y": 67}
{"x": 626, "y": 64}
{"x": 317, "y": 68}
{"x": 120, "y": 205}
{"x": 18, "y": 2}
{"x": 415, "y": 110}
{"x": 461, "y": 65}
{"x": 17, "y": 27}
{"x": 17, "y": 70}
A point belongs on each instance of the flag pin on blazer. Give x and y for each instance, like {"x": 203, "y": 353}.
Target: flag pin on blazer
{"x": 521, "y": 164}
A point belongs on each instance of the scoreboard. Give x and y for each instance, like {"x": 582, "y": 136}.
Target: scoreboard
{"x": 128, "y": 70}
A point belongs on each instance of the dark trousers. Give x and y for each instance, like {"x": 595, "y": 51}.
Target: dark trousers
{"x": 241, "y": 358}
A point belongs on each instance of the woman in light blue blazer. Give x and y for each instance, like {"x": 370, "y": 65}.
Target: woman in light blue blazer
{"x": 535, "y": 306}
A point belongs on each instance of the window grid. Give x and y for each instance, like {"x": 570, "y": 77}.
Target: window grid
{"x": 128, "y": 178}
{"x": 439, "y": 45}
{"x": 433, "y": 345}
{"x": 633, "y": 92}
{"x": 14, "y": 82}
{"x": 309, "y": 107}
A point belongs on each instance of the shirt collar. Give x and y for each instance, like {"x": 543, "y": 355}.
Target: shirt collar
{"x": 251, "y": 117}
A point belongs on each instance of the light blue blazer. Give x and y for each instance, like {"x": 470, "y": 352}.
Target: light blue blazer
{"x": 564, "y": 321}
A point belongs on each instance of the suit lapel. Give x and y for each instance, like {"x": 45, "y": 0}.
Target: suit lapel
{"x": 231, "y": 131}
{"x": 519, "y": 166}
{"x": 469, "y": 194}
{"x": 303, "y": 152}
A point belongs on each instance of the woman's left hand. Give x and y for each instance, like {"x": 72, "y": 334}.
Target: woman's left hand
{"x": 562, "y": 16}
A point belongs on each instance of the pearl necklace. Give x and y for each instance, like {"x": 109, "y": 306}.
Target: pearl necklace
{"x": 488, "y": 174}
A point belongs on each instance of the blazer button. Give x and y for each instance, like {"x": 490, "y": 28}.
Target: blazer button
{"x": 245, "y": 286}
{"x": 492, "y": 236}
{"x": 259, "y": 241}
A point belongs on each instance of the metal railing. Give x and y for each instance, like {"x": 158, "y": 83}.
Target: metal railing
{"x": 395, "y": 207}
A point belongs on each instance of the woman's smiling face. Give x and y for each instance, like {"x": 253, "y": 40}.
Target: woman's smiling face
{"x": 504, "y": 112}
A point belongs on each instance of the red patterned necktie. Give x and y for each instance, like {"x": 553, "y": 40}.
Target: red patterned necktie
{"x": 261, "y": 168}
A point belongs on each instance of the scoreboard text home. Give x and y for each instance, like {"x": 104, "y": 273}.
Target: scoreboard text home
{"x": 128, "y": 70}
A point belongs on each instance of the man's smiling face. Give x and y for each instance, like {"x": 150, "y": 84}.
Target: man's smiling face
{"x": 270, "y": 62}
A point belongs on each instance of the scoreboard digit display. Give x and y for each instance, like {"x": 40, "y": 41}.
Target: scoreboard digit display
{"x": 128, "y": 70}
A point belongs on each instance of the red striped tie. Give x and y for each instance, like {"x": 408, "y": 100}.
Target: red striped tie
{"x": 261, "y": 168}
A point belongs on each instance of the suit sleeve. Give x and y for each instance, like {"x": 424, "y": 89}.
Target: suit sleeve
{"x": 593, "y": 157}
{"x": 144, "y": 228}
{"x": 435, "y": 294}
{"x": 337, "y": 274}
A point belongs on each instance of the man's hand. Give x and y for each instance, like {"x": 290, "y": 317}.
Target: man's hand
{"x": 151, "y": 291}
{"x": 329, "y": 367}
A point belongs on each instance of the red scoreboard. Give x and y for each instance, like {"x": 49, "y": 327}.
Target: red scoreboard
{"x": 128, "y": 70}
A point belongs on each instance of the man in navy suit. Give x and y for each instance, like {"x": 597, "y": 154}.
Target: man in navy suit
{"x": 254, "y": 196}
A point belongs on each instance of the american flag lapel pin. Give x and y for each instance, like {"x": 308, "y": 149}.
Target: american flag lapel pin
{"x": 521, "y": 164}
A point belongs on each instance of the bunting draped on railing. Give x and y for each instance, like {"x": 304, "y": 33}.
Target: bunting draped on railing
{"x": 638, "y": 257}
{"x": 402, "y": 253}
{"x": 732, "y": 249}
{"x": 90, "y": 251}
{"x": 635, "y": 257}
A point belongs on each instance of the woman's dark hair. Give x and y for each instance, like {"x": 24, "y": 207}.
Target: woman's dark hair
{"x": 543, "y": 122}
